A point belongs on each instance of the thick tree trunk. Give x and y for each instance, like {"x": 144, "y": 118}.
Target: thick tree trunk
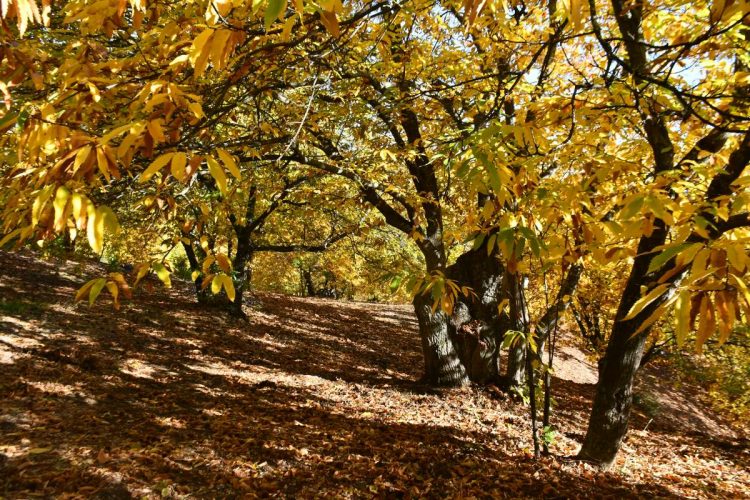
{"x": 443, "y": 366}
{"x": 477, "y": 326}
{"x": 614, "y": 396}
{"x": 608, "y": 423}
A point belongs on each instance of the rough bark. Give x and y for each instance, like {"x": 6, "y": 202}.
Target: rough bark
{"x": 519, "y": 321}
{"x": 443, "y": 366}
{"x": 478, "y": 327}
{"x": 614, "y": 390}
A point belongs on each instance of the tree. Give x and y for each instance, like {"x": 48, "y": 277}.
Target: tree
{"x": 144, "y": 89}
{"x": 699, "y": 219}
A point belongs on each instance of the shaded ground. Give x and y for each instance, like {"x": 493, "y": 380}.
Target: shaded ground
{"x": 313, "y": 398}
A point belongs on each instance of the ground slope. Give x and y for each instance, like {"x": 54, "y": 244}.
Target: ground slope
{"x": 312, "y": 398}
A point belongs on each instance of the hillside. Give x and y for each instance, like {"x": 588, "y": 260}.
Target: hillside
{"x": 312, "y": 398}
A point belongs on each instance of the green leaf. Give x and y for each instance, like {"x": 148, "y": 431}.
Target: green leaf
{"x": 96, "y": 289}
{"x": 664, "y": 257}
{"x": 395, "y": 283}
{"x": 478, "y": 241}
{"x": 273, "y": 11}
{"x": 162, "y": 273}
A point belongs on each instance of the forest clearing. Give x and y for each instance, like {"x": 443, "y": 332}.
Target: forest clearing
{"x": 313, "y": 398}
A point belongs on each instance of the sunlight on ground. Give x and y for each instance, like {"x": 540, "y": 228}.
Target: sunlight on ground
{"x": 62, "y": 390}
{"x": 142, "y": 369}
{"x": 18, "y": 341}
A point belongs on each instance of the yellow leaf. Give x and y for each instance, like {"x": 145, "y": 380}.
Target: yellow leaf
{"x": 121, "y": 283}
{"x": 286, "y": 33}
{"x": 219, "y": 47}
{"x": 224, "y": 263}
{"x": 229, "y": 162}
{"x": 218, "y": 174}
{"x": 81, "y": 157}
{"x": 39, "y": 202}
{"x": 655, "y": 315}
{"x": 682, "y": 315}
{"x": 108, "y": 218}
{"x": 200, "y": 50}
{"x": 101, "y": 161}
{"x": 84, "y": 290}
{"x": 155, "y": 166}
{"x": 725, "y": 310}
{"x": 717, "y": 10}
{"x": 156, "y": 131}
{"x": 95, "y": 229}
{"x": 737, "y": 257}
{"x": 114, "y": 133}
{"x": 646, "y": 300}
{"x": 96, "y": 288}
{"x": 331, "y": 22}
{"x": 10, "y": 236}
{"x": 196, "y": 109}
{"x": 61, "y": 204}
{"x": 79, "y": 204}
{"x": 115, "y": 292}
{"x": 162, "y": 273}
{"x": 179, "y": 161}
{"x": 707, "y": 323}
{"x": 228, "y": 286}
{"x": 141, "y": 272}
{"x": 216, "y": 284}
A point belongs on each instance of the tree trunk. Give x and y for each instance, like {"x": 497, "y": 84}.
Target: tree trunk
{"x": 519, "y": 320}
{"x": 516, "y": 367}
{"x": 443, "y": 366}
{"x": 241, "y": 265}
{"x": 200, "y": 295}
{"x": 307, "y": 280}
{"x": 477, "y": 326}
{"x": 608, "y": 423}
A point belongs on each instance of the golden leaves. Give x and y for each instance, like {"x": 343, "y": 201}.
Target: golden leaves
{"x": 229, "y": 163}
{"x": 723, "y": 10}
{"x": 159, "y": 163}
{"x": 214, "y": 46}
{"x": 573, "y": 11}
{"x": 220, "y": 281}
{"x": 218, "y": 174}
{"x": 115, "y": 283}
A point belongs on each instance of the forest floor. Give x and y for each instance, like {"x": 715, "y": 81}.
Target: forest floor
{"x": 311, "y": 398}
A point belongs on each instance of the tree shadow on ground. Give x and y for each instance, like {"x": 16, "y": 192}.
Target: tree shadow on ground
{"x": 163, "y": 399}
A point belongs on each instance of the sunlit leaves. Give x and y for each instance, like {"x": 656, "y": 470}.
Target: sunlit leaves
{"x": 220, "y": 281}
{"x": 229, "y": 163}
{"x": 162, "y": 273}
{"x": 218, "y": 174}
{"x": 115, "y": 284}
{"x": 156, "y": 165}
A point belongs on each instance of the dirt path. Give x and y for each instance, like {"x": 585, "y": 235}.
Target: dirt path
{"x": 314, "y": 398}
